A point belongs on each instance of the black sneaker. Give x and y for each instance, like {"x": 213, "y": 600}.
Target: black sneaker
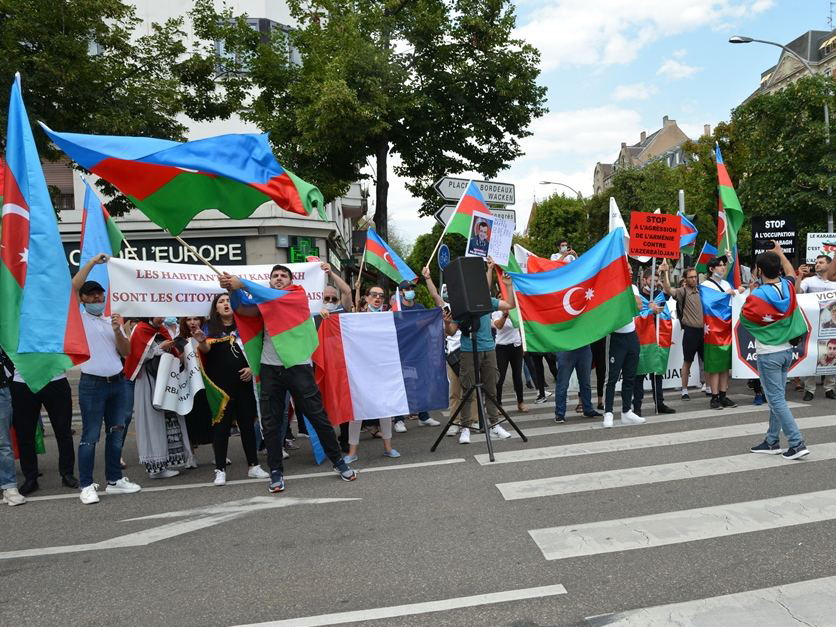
{"x": 539, "y": 400}
{"x": 830, "y": 394}
{"x": 560, "y": 419}
{"x": 808, "y": 396}
{"x": 529, "y": 385}
{"x": 276, "y": 482}
{"x": 725, "y": 401}
{"x": 664, "y": 409}
{"x": 769, "y": 449}
{"x": 592, "y": 414}
{"x": 796, "y": 452}
{"x": 685, "y": 396}
{"x": 715, "y": 403}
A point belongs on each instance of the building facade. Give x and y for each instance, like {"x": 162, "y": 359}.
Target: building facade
{"x": 817, "y": 47}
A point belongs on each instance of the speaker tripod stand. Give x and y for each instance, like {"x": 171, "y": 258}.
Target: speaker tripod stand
{"x": 477, "y": 389}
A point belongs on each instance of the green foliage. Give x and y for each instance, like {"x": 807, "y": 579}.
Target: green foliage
{"x": 83, "y": 69}
{"x": 424, "y": 245}
{"x": 556, "y": 218}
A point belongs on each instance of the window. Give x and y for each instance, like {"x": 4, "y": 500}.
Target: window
{"x": 265, "y": 29}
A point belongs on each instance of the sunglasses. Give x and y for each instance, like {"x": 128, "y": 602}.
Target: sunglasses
{"x": 330, "y": 299}
{"x": 376, "y": 294}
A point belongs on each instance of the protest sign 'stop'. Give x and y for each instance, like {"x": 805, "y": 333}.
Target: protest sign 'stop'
{"x": 654, "y": 234}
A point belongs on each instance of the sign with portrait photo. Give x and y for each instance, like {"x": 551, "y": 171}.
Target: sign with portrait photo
{"x": 479, "y": 242}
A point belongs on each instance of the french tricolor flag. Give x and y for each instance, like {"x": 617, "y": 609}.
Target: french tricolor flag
{"x": 377, "y": 365}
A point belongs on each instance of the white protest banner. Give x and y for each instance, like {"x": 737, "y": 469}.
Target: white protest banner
{"x": 820, "y": 244}
{"x": 178, "y": 382}
{"x": 149, "y": 288}
{"x": 815, "y": 353}
{"x": 500, "y": 246}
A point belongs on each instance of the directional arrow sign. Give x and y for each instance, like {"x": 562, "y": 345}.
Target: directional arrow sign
{"x": 451, "y": 188}
{"x": 195, "y": 519}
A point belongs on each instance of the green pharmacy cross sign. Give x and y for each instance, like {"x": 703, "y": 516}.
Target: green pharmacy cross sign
{"x": 303, "y": 249}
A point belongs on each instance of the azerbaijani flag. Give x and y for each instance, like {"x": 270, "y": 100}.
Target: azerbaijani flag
{"x": 687, "y": 234}
{"x": 773, "y": 318}
{"x": 286, "y": 317}
{"x": 707, "y": 253}
{"x": 99, "y": 234}
{"x": 653, "y": 355}
{"x": 729, "y": 219}
{"x": 716, "y": 313}
{"x": 171, "y": 182}
{"x": 573, "y": 306}
{"x": 40, "y": 321}
{"x": 381, "y": 256}
{"x": 470, "y": 201}
{"x": 251, "y": 332}
{"x": 541, "y": 264}
{"x": 512, "y": 266}
{"x": 375, "y": 365}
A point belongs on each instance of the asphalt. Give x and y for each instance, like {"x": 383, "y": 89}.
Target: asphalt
{"x": 410, "y": 534}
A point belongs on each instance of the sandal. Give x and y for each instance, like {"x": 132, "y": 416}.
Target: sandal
{"x": 374, "y": 432}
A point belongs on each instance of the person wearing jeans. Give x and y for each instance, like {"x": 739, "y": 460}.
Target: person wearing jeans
{"x": 579, "y": 360}
{"x": 8, "y": 480}
{"x": 102, "y": 389}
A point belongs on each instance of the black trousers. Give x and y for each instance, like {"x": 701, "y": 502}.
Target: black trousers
{"x": 242, "y": 410}
{"x": 638, "y": 392}
{"x": 56, "y": 398}
{"x": 624, "y": 359}
{"x": 599, "y": 362}
{"x": 509, "y": 354}
{"x": 536, "y": 365}
{"x": 276, "y": 382}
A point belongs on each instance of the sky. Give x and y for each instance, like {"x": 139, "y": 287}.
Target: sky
{"x": 614, "y": 68}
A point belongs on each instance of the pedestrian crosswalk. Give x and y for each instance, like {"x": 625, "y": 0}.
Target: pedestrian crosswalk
{"x": 737, "y": 516}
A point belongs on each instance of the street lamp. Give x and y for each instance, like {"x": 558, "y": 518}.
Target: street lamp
{"x": 742, "y": 39}
{"x": 571, "y": 189}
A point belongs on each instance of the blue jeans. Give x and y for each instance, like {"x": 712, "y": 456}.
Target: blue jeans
{"x": 101, "y": 402}
{"x": 7, "y": 459}
{"x": 772, "y": 369}
{"x": 579, "y": 360}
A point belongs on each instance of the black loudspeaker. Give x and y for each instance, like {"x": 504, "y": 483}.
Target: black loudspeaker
{"x": 467, "y": 287}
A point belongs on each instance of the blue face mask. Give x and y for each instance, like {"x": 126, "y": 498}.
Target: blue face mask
{"x": 409, "y": 295}
{"x": 170, "y": 321}
{"x": 94, "y": 309}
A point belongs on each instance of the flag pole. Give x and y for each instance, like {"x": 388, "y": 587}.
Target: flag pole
{"x": 360, "y": 277}
{"x": 452, "y": 215}
{"x": 196, "y": 253}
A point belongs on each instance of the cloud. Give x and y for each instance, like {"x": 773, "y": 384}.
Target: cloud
{"x": 679, "y": 54}
{"x": 634, "y": 91}
{"x": 676, "y": 70}
{"x": 569, "y": 32}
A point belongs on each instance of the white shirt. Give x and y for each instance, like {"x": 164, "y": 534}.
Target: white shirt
{"x": 815, "y": 283}
{"x": 454, "y": 342}
{"x": 507, "y": 334}
{"x": 630, "y": 326}
{"x": 18, "y": 379}
{"x": 725, "y": 285}
{"x": 104, "y": 356}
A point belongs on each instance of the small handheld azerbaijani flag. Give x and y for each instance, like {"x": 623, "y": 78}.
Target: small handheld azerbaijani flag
{"x": 707, "y": 254}
{"x": 40, "y": 320}
{"x": 716, "y": 311}
{"x": 99, "y": 234}
{"x": 687, "y": 234}
{"x": 171, "y": 182}
{"x": 470, "y": 201}
{"x": 772, "y": 316}
{"x": 381, "y": 256}
{"x": 570, "y": 307}
{"x": 375, "y": 365}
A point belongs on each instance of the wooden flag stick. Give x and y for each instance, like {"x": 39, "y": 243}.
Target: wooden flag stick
{"x": 196, "y": 253}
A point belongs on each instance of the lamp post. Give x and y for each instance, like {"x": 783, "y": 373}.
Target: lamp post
{"x": 571, "y": 189}
{"x": 742, "y": 39}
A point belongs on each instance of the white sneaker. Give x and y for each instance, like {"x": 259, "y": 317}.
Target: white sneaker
{"x": 123, "y": 486}
{"x": 12, "y": 497}
{"x": 220, "y": 477}
{"x": 429, "y": 422}
{"x": 285, "y": 454}
{"x": 89, "y": 495}
{"x": 257, "y": 472}
{"x": 453, "y": 430}
{"x": 464, "y": 436}
{"x": 630, "y": 418}
{"x": 163, "y": 474}
{"x": 499, "y": 432}
{"x": 400, "y": 426}
{"x": 608, "y": 420}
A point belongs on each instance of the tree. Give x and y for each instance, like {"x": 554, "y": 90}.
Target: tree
{"x": 556, "y": 218}
{"x": 84, "y": 70}
{"x": 445, "y": 86}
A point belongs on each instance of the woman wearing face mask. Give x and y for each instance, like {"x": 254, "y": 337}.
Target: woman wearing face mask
{"x": 162, "y": 438}
{"x": 227, "y": 367}
{"x": 199, "y": 420}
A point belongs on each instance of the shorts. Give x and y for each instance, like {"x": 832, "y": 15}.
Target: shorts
{"x": 692, "y": 343}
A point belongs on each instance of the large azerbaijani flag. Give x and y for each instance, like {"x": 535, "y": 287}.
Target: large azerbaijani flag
{"x": 573, "y": 306}
{"x": 40, "y": 321}
{"x": 286, "y": 317}
{"x": 773, "y": 317}
{"x": 470, "y": 201}
{"x": 717, "y": 332}
{"x": 729, "y": 219}
{"x": 654, "y": 353}
{"x": 171, "y": 182}
{"x": 375, "y": 365}
{"x": 381, "y": 256}
{"x": 99, "y": 234}
{"x": 707, "y": 253}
